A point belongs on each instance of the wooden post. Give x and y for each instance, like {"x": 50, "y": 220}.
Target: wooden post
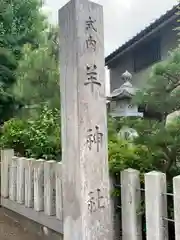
{"x": 156, "y": 206}
{"x": 131, "y": 202}
{"x": 86, "y": 187}
{"x": 6, "y": 158}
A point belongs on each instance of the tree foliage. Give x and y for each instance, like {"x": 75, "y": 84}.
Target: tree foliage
{"x": 156, "y": 148}
{"x": 162, "y": 93}
{"x": 38, "y": 77}
{"x": 34, "y": 137}
{"x": 7, "y": 77}
{"x": 29, "y": 75}
{"x": 21, "y": 22}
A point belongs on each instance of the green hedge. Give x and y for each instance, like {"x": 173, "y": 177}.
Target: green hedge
{"x": 37, "y": 138}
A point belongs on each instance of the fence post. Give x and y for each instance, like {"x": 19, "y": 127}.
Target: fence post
{"x": 59, "y": 196}
{"x": 39, "y": 185}
{"x": 13, "y": 179}
{"x": 130, "y": 201}
{"x": 156, "y": 206}
{"x": 49, "y": 187}
{"x": 6, "y": 158}
{"x": 29, "y": 183}
{"x": 114, "y": 200}
{"x": 20, "y": 180}
{"x": 176, "y": 191}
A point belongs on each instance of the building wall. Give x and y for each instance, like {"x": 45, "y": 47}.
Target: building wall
{"x": 168, "y": 42}
{"x": 169, "y": 39}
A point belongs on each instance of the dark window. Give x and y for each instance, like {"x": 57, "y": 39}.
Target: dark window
{"x": 147, "y": 54}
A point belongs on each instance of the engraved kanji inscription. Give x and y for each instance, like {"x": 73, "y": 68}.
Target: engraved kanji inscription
{"x": 95, "y": 201}
{"x": 91, "y": 43}
{"x": 94, "y": 138}
{"x": 98, "y": 137}
{"x": 91, "y": 72}
{"x": 91, "y": 202}
{"x": 90, "y": 24}
{"x": 100, "y": 199}
{"x": 90, "y": 138}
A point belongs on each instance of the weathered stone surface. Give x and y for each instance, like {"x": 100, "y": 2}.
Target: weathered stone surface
{"x": 49, "y": 187}
{"x": 156, "y": 206}
{"x": 6, "y": 158}
{"x": 130, "y": 202}
{"x": 176, "y": 191}
{"x": 39, "y": 185}
{"x": 86, "y": 204}
{"x": 21, "y": 180}
{"x": 39, "y": 217}
{"x": 174, "y": 116}
{"x": 13, "y": 179}
{"x": 29, "y": 182}
{"x": 59, "y": 193}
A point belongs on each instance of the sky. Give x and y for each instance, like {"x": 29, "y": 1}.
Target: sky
{"x": 122, "y": 18}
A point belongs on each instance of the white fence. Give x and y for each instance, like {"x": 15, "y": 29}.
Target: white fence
{"x": 155, "y": 205}
{"x": 32, "y": 188}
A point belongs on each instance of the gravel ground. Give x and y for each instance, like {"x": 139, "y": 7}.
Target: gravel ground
{"x": 11, "y": 230}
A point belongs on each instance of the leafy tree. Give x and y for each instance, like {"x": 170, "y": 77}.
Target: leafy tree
{"x": 53, "y": 39}
{"x": 162, "y": 95}
{"x": 21, "y": 22}
{"x": 7, "y": 66}
{"x": 34, "y": 137}
{"x": 38, "y": 77}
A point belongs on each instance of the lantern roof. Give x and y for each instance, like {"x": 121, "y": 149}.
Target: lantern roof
{"x": 126, "y": 90}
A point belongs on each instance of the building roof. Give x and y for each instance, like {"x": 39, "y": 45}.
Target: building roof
{"x": 169, "y": 14}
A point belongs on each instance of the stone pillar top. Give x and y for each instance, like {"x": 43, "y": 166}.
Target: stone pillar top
{"x": 126, "y": 90}
{"x": 126, "y": 76}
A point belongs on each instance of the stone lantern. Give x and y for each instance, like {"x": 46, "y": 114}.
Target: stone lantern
{"x": 121, "y": 99}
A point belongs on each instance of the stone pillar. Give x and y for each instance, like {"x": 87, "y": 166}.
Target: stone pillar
{"x": 21, "y": 180}
{"x": 86, "y": 188}
{"x": 130, "y": 203}
{"x": 39, "y": 185}
{"x": 59, "y": 196}
{"x": 49, "y": 187}
{"x": 156, "y": 206}
{"x": 13, "y": 179}
{"x": 6, "y": 158}
{"x": 176, "y": 191}
{"x": 29, "y": 182}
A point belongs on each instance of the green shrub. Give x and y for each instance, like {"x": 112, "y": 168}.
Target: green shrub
{"x": 37, "y": 138}
{"x": 156, "y": 148}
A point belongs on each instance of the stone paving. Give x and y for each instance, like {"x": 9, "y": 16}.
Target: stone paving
{"x": 11, "y": 230}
